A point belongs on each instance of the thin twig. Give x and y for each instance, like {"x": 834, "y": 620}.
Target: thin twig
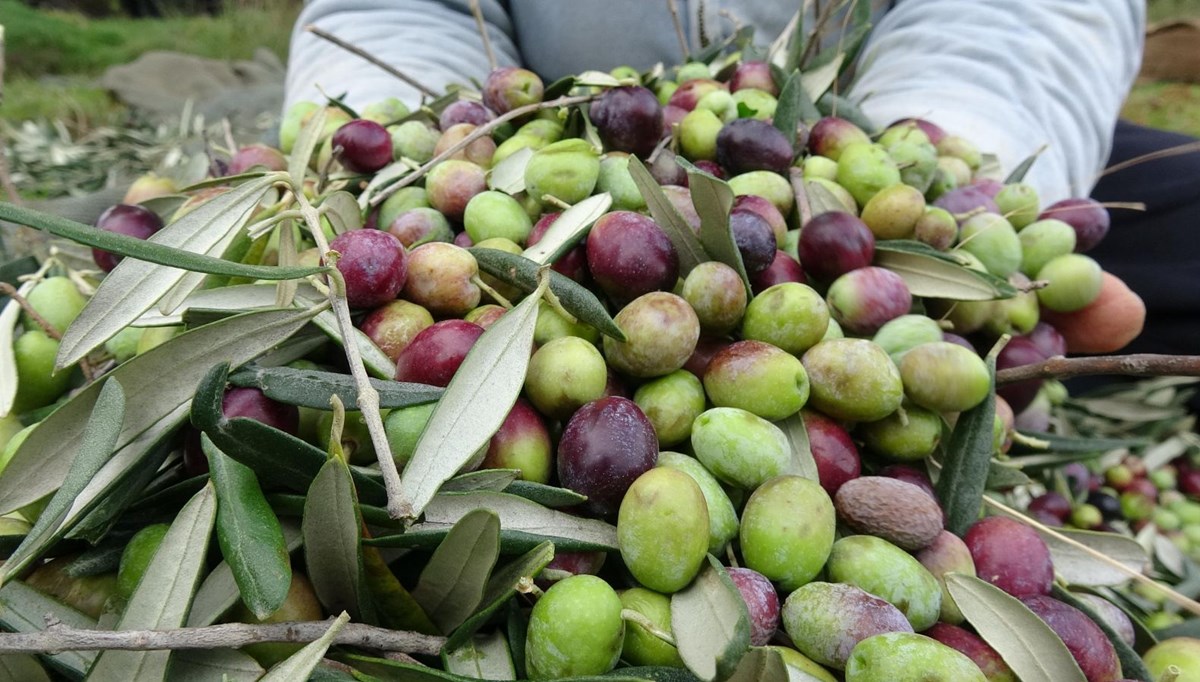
{"x": 1130, "y": 205}
{"x": 803, "y": 205}
{"x": 1175, "y": 597}
{"x": 637, "y": 618}
{"x": 1177, "y": 150}
{"x": 732, "y": 18}
{"x": 683, "y": 42}
{"x": 368, "y": 397}
{"x": 226, "y": 636}
{"x": 1137, "y": 365}
{"x": 483, "y": 34}
{"x": 467, "y": 139}
{"x": 823, "y": 15}
{"x": 371, "y": 58}
{"x": 11, "y": 291}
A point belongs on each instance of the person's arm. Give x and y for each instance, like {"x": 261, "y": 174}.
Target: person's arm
{"x": 434, "y": 42}
{"x": 1010, "y": 77}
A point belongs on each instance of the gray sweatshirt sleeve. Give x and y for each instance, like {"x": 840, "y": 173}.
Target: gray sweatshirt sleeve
{"x": 1010, "y": 77}
{"x": 435, "y": 42}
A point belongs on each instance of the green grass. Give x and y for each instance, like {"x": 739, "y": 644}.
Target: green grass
{"x": 53, "y": 57}
{"x": 58, "y": 43}
{"x": 1171, "y": 106}
{"x": 75, "y": 100}
{"x": 1162, "y": 10}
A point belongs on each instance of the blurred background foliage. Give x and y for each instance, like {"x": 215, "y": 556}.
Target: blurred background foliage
{"x": 55, "y": 49}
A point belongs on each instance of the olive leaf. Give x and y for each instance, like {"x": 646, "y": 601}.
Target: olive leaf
{"x": 516, "y": 627}
{"x": 313, "y": 388}
{"x": 8, "y": 361}
{"x": 451, "y": 585}
{"x": 475, "y": 404}
{"x": 227, "y": 665}
{"x": 576, "y": 299}
{"x": 961, "y": 483}
{"x": 11, "y": 271}
{"x": 93, "y": 514}
{"x": 1132, "y": 666}
{"x": 332, "y": 535}
{"x": 378, "y": 364}
{"x": 305, "y": 145}
{"x": 386, "y": 669}
{"x": 166, "y": 205}
{"x": 664, "y": 674}
{"x": 232, "y": 246}
{"x": 713, "y": 199}
{"x": 1005, "y": 475}
{"x": 98, "y": 560}
{"x": 164, "y": 595}
{"x": 850, "y": 38}
{"x": 761, "y": 664}
{"x": 934, "y": 275}
{"x": 1036, "y": 463}
{"x": 146, "y": 250}
{"x": 483, "y": 657}
{"x": 219, "y": 591}
{"x": 597, "y": 79}
{"x": 1018, "y": 173}
{"x": 341, "y": 208}
{"x": 288, "y": 504}
{"x": 568, "y": 229}
{"x": 1077, "y": 566}
{"x": 135, "y": 285}
{"x": 428, "y": 537}
{"x": 95, "y": 447}
{"x": 24, "y": 609}
{"x": 817, "y": 81}
{"x": 273, "y": 454}
{"x": 1059, "y": 443}
{"x": 683, "y": 237}
{"x": 545, "y": 495}
{"x": 794, "y": 108}
{"x": 224, "y": 181}
{"x": 249, "y": 534}
{"x": 394, "y": 605}
{"x": 385, "y": 177}
{"x": 234, "y": 298}
{"x": 821, "y": 200}
{"x": 520, "y": 515}
{"x": 558, "y": 88}
{"x": 1033, "y": 651}
{"x": 158, "y": 388}
{"x": 831, "y": 104}
{"x": 711, "y": 624}
{"x": 300, "y": 665}
{"x": 501, "y": 587}
{"x": 802, "y": 462}
{"x": 481, "y": 479}
{"x": 508, "y": 176}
